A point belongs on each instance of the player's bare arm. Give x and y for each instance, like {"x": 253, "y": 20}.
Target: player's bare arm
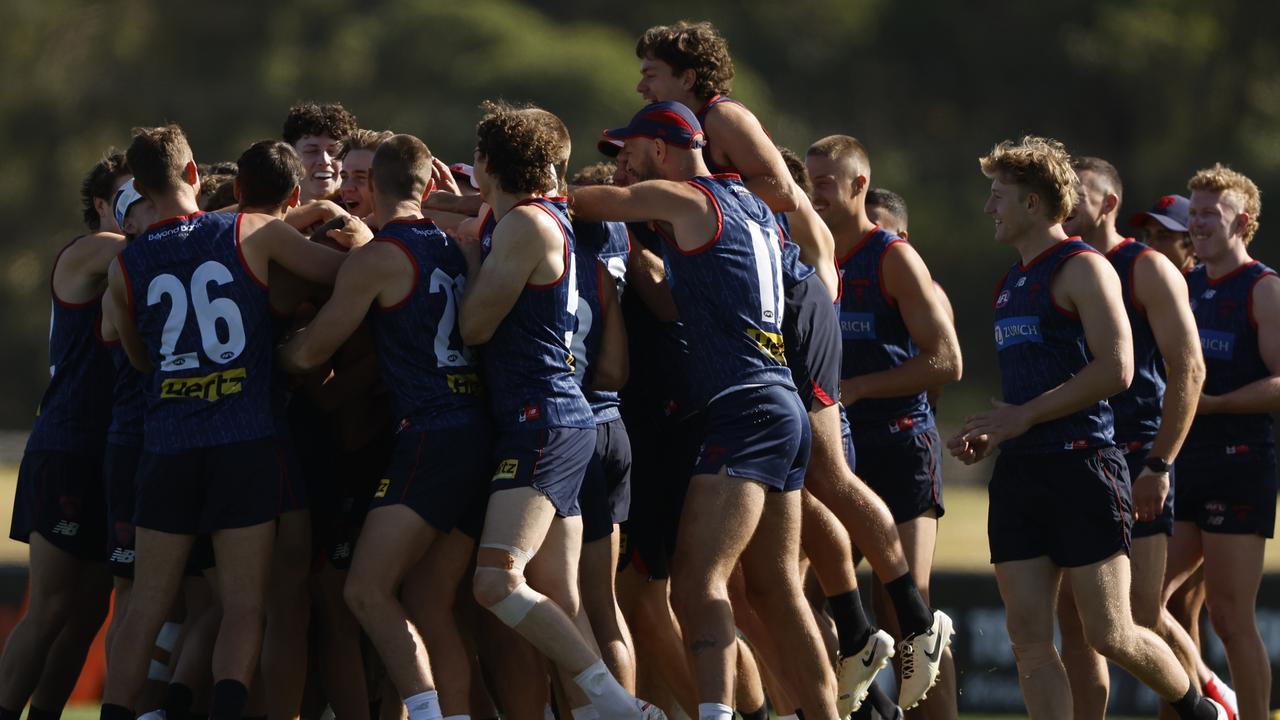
{"x": 613, "y": 364}
{"x": 647, "y": 277}
{"x": 1259, "y": 396}
{"x": 527, "y": 247}
{"x": 265, "y": 239}
{"x": 377, "y": 272}
{"x": 81, "y": 270}
{"x": 908, "y": 283}
{"x": 1161, "y": 291}
{"x": 445, "y": 201}
{"x": 742, "y": 141}
{"x": 685, "y": 208}
{"x": 121, "y": 316}
{"x": 1089, "y": 287}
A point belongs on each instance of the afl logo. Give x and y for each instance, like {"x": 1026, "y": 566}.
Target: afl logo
{"x": 1003, "y": 299}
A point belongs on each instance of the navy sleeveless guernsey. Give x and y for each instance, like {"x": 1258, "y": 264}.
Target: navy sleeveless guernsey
{"x": 529, "y": 368}
{"x": 602, "y": 249}
{"x": 730, "y": 295}
{"x": 875, "y": 338}
{"x": 658, "y": 349}
{"x": 433, "y": 378}
{"x": 128, "y": 400}
{"x": 75, "y": 409}
{"x": 1040, "y": 346}
{"x": 1223, "y": 309}
{"x": 208, "y": 329}
{"x": 1137, "y": 410}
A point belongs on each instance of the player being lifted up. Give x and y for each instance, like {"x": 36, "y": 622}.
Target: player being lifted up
{"x": 191, "y": 307}
{"x": 413, "y": 276}
{"x": 520, "y": 305}
{"x": 1059, "y": 491}
{"x": 723, "y": 254}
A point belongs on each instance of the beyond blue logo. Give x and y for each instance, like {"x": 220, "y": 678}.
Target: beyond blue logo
{"x": 857, "y": 326}
{"x": 1012, "y": 331}
{"x": 1217, "y": 345}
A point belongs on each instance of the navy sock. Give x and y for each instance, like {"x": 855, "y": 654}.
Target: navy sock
{"x": 761, "y": 714}
{"x": 852, "y": 627}
{"x": 878, "y": 699}
{"x": 914, "y": 616}
{"x": 36, "y": 713}
{"x": 229, "y": 698}
{"x": 1194, "y": 706}
{"x": 115, "y": 712}
{"x": 7, "y": 714}
{"x": 177, "y": 702}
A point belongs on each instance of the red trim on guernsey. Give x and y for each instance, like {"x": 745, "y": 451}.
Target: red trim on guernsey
{"x": 821, "y": 394}
{"x": 1229, "y": 275}
{"x": 1054, "y": 301}
{"x": 719, "y": 225}
{"x": 1252, "y": 320}
{"x": 128, "y": 286}
{"x": 533, "y": 202}
{"x": 880, "y": 271}
{"x": 727, "y": 176}
{"x": 1119, "y": 245}
{"x": 54, "y": 293}
{"x": 244, "y": 260}
{"x": 1044, "y": 253}
{"x": 856, "y": 247}
{"x": 416, "y": 272}
{"x": 169, "y": 220}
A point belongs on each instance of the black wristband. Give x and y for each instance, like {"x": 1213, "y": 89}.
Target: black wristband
{"x": 1156, "y": 464}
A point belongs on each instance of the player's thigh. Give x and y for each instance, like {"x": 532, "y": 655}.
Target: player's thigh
{"x": 553, "y": 571}
{"x": 1184, "y": 557}
{"x": 516, "y": 518}
{"x": 919, "y": 538}
{"x": 244, "y": 560}
{"x": 1028, "y": 589}
{"x": 1232, "y": 573}
{"x": 771, "y": 561}
{"x": 391, "y": 541}
{"x": 720, "y": 516}
{"x": 1102, "y": 598}
{"x": 1147, "y": 566}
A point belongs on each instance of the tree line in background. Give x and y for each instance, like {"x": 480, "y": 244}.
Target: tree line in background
{"x": 1159, "y": 87}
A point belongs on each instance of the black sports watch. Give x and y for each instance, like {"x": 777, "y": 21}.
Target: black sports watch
{"x": 1156, "y": 464}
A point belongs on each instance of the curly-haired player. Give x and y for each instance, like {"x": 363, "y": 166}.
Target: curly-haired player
{"x": 316, "y": 131}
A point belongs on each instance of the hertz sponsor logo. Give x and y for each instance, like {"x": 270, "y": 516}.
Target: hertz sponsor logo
{"x": 769, "y": 343}
{"x": 383, "y": 485}
{"x": 465, "y": 384}
{"x": 210, "y": 387}
{"x": 507, "y": 470}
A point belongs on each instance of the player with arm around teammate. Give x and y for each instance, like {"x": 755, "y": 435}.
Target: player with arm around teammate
{"x": 191, "y": 307}
{"x": 1059, "y": 492}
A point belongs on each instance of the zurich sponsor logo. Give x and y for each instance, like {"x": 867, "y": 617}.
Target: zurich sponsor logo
{"x": 858, "y": 326}
{"x": 1217, "y": 345}
{"x": 1016, "y": 330}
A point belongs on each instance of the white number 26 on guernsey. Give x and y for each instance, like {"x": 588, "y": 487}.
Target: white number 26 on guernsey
{"x": 208, "y": 313}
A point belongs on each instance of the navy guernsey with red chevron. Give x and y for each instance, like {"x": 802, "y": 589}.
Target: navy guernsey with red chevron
{"x": 529, "y": 368}
{"x": 1137, "y": 410}
{"x": 208, "y": 330}
{"x": 601, "y": 249}
{"x": 794, "y": 270}
{"x": 875, "y": 338}
{"x": 1040, "y": 346}
{"x": 1223, "y": 309}
{"x": 433, "y": 378}
{"x": 730, "y": 296}
{"x": 75, "y": 409}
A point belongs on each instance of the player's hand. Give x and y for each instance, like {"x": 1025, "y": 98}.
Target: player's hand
{"x": 352, "y": 234}
{"x": 468, "y": 238}
{"x": 1149, "y": 491}
{"x": 986, "y": 430}
{"x": 443, "y": 178}
{"x": 969, "y": 450}
{"x": 308, "y": 216}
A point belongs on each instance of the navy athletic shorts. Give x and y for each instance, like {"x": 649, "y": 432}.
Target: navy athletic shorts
{"x": 293, "y": 485}
{"x": 811, "y": 336}
{"x": 1134, "y": 454}
{"x": 1072, "y": 506}
{"x": 663, "y": 450}
{"x": 605, "y": 496}
{"x": 341, "y": 494}
{"x": 759, "y": 433}
{"x": 551, "y": 460}
{"x": 1229, "y": 490}
{"x": 201, "y": 490}
{"x": 60, "y": 495}
{"x": 438, "y": 473}
{"x": 907, "y": 475}
{"x": 120, "y": 468}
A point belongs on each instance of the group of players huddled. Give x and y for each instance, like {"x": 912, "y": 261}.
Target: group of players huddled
{"x": 341, "y": 412}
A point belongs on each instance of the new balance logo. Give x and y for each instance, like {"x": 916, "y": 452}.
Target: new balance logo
{"x": 66, "y": 527}
{"x": 122, "y": 556}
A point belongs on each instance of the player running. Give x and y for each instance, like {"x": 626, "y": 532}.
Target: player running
{"x": 1059, "y": 491}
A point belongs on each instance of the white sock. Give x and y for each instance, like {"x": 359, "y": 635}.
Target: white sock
{"x": 424, "y": 706}
{"x": 586, "y": 712}
{"x": 548, "y": 713}
{"x": 157, "y": 714}
{"x": 788, "y": 717}
{"x": 608, "y": 697}
{"x": 714, "y": 711}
